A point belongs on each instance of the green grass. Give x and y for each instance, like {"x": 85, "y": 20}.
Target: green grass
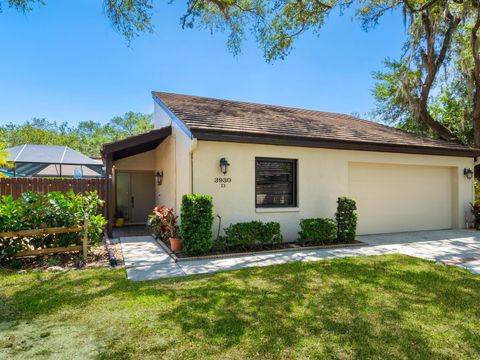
{"x": 376, "y": 307}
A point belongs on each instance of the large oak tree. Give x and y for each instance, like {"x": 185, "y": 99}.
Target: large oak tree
{"x": 434, "y": 88}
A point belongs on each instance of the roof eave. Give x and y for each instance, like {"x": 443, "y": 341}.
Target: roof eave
{"x": 136, "y": 144}
{"x": 287, "y": 140}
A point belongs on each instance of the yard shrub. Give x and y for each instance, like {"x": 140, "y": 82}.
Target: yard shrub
{"x": 346, "y": 217}
{"x": 317, "y": 231}
{"x": 196, "y": 222}
{"x": 46, "y": 210}
{"x": 246, "y": 235}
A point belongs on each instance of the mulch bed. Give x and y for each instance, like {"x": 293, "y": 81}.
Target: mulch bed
{"x": 218, "y": 254}
{"x": 97, "y": 257}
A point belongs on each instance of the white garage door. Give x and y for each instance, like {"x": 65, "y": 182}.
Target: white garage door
{"x": 394, "y": 198}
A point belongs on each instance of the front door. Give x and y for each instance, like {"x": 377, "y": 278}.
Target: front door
{"x": 142, "y": 198}
{"x": 135, "y": 195}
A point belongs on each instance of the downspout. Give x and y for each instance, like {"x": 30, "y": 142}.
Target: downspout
{"x": 192, "y": 149}
{"x": 109, "y": 193}
{"x": 476, "y": 161}
{"x": 175, "y": 160}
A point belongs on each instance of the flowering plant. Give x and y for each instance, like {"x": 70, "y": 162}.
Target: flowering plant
{"x": 476, "y": 213}
{"x": 163, "y": 222}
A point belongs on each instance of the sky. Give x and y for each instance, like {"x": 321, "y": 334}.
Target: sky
{"x": 64, "y": 62}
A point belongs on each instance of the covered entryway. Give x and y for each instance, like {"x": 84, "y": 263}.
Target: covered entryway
{"x": 395, "y": 198}
{"x": 131, "y": 165}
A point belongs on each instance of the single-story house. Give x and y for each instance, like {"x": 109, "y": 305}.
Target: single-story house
{"x": 274, "y": 163}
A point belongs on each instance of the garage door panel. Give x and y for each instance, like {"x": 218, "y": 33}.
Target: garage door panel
{"x": 394, "y": 198}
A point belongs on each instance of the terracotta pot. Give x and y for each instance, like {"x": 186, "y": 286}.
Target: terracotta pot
{"x": 176, "y": 244}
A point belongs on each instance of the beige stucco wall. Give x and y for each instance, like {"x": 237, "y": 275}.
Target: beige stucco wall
{"x": 141, "y": 162}
{"x": 165, "y": 161}
{"x": 173, "y": 157}
{"x": 323, "y": 175}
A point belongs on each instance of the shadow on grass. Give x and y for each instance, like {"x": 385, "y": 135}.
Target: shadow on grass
{"x": 387, "y": 306}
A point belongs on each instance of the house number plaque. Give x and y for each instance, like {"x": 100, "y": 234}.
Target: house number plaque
{"x": 223, "y": 181}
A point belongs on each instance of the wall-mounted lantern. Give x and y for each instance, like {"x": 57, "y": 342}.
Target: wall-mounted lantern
{"x": 468, "y": 173}
{"x": 159, "y": 177}
{"x": 224, "y": 165}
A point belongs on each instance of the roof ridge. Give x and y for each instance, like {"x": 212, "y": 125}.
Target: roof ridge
{"x": 23, "y": 148}
{"x": 63, "y": 155}
{"x": 263, "y": 104}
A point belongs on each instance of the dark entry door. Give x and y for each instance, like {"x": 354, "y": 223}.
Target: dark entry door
{"x": 142, "y": 198}
{"x": 135, "y": 195}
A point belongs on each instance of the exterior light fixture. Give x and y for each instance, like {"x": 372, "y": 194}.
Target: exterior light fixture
{"x": 224, "y": 165}
{"x": 468, "y": 173}
{"x": 159, "y": 177}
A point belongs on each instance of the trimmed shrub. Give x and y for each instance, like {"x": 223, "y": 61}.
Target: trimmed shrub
{"x": 271, "y": 233}
{"x": 317, "y": 231}
{"x": 196, "y": 222}
{"x": 248, "y": 234}
{"x": 46, "y": 210}
{"x": 346, "y": 219}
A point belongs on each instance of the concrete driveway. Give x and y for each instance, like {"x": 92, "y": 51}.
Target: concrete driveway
{"x": 454, "y": 247}
{"x": 146, "y": 260}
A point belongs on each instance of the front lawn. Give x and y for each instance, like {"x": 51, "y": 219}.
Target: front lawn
{"x": 385, "y": 307}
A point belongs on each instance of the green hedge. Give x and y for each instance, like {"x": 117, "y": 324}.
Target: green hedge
{"x": 196, "y": 222}
{"x": 248, "y": 234}
{"x": 346, "y": 218}
{"x": 317, "y": 231}
{"x": 45, "y": 210}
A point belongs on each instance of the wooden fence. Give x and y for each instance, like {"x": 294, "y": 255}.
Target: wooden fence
{"x": 17, "y": 186}
{"x": 47, "y": 231}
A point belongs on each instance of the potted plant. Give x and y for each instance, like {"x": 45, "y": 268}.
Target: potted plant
{"x": 163, "y": 223}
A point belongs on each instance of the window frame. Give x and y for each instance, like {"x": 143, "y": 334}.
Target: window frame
{"x": 294, "y": 163}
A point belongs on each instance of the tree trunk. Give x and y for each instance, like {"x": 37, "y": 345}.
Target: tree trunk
{"x": 441, "y": 131}
{"x": 432, "y": 63}
{"x": 476, "y": 129}
{"x": 476, "y": 78}
{"x": 476, "y": 117}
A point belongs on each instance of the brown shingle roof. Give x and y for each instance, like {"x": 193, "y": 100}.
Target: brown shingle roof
{"x": 215, "y": 116}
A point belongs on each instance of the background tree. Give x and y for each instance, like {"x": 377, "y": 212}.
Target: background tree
{"x": 274, "y": 24}
{"x": 432, "y": 88}
{"x": 4, "y": 155}
{"x": 87, "y": 137}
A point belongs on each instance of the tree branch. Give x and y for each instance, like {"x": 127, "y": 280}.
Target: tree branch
{"x": 476, "y": 79}
{"x": 421, "y": 8}
{"x": 432, "y": 64}
{"x": 322, "y": 4}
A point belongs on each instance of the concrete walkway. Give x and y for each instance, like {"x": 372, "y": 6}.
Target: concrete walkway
{"x": 146, "y": 260}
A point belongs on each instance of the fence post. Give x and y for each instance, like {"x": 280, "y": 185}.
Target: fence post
{"x": 85, "y": 237}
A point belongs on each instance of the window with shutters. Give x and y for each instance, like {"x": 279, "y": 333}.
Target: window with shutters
{"x": 275, "y": 182}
